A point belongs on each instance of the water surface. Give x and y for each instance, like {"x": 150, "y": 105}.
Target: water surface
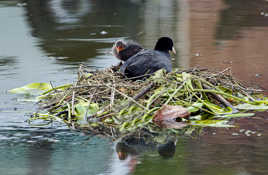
{"x": 47, "y": 40}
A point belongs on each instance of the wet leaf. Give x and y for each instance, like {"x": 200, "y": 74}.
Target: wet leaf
{"x": 136, "y": 122}
{"x": 32, "y": 88}
{"x": 83, "y": 109}
{"x": 124, "y": 126}
{"x": 247, "y": 106}
{"x": 63, "y": 87}
{"x": 156, "y": 94}
{"x": 212, "y": 123}
{"x": 94, "y": 124}
{"x": 225, "y": 89}
{"x": 116, "y": 121}
{"x": 133, "y": 109}
{"x": 214, "y": 108}
{"x": 195, "y": 107}
{"x": 108, "y": 120}
{"x": 238, "y": 115}
{"x": 167, "y": 115}
{"x": 146, "y": 118}
{"x": 158, "y": 75}
{"x": 87, "y": 75}
{"x": 168, "y": 112}
{"x": 123, "y": 112}
{"x": 196, "y": 117}
{"x": 187, "y": 78}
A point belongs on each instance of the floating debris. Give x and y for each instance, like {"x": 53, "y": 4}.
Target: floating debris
{"x": 103, "y": 32}
{"x": 248, "y": 133}
{"x": 259, "y": 134}
{"x": 21, "y": 4}
{"x": 235, "y": 134}
{"x": 241, "y": 130}
{"x": 197, "y": 54}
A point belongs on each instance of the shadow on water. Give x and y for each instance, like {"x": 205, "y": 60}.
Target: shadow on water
{"x": 6, "y": 63}
{"x": 40, "y": 153}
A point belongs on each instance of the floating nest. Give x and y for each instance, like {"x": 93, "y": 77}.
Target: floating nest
{"x": 106, "y": 103}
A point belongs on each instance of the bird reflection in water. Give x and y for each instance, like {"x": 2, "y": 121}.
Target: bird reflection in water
{"x": 129, "y": 148}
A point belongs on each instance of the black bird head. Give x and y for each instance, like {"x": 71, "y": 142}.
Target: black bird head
{"x": 164, "y": 44}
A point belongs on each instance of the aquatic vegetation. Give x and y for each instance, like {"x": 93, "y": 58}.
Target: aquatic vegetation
{"x": 32, "y": 88}
{"x": 106, "y": 103}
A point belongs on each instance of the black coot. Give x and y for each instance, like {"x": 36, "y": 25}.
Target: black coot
{"x": 125, "y": 49}
{"x": 149, "y": 61}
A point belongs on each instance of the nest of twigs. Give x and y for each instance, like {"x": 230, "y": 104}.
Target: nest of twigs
{"x": 105, "y": 102}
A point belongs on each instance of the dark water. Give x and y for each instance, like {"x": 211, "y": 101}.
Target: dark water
{"x": 47, "y": 40}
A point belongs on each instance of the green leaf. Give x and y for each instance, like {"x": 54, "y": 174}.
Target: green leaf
{"x": 62, "y": 87}
{"x": 212, "y": 123}
{"x": 32, "y": 88}
{"x": 198, "y": 117}
{"x": 238, "y": 115}
{"x": 83, "y": 109}
{"x": 214, "y": 108}
{"x": 136, "y": 122}
{"x": 187, "y": 78}
{"x": 247, "y": 106}
{"x": 122, "y": 112}
{"x": 108, "y": 120}
{"x": 133, "y": 109}
{"x": 195, "y": 107}
{"x": 225, "y": 89}
{"x": 124, "y": 126}
{"x": 158, "y": 75}
{"x": 116, "y": 121}
{"x": 156, "y": 94}
{"x": 87, "y": 75}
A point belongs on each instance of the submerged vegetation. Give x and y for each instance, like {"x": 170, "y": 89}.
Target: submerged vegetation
{"x": 106, "y": 103}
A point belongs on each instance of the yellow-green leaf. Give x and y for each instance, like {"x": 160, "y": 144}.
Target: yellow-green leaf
{"x": 212, "y": 123}
{"x": 32, "y": 88}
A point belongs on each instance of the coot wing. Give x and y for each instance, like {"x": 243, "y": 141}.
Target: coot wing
{"x": 129, "y": 51}
{"x": 146, "y": 62}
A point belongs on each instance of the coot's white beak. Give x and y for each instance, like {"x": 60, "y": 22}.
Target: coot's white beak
{"x": 173, "y": 50}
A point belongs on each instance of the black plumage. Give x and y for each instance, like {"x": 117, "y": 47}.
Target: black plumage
{"x": 125, "y": 49}
{"x": 149, "y": 61}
